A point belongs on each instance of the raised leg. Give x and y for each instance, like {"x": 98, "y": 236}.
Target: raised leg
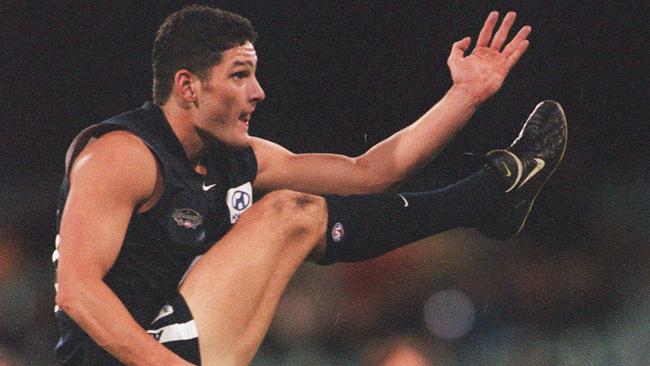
{"x": 233, "y": 290}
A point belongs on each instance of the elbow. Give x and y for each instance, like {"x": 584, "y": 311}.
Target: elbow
{"x": 378, "y": 179}
{"x": 390, "y": 186}
{"x": 381, "y": 186}
{"x": 65, "y": 297}
{"x": 388, "y": 180}
{"x": 379, "y": 183}
{"x": 70, "y": 294}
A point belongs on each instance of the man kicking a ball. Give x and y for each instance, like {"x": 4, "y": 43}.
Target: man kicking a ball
{"x": 163, "y": 258}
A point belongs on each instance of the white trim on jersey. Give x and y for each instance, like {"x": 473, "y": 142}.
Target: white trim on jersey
{"x": 176, "y": 332}
{"x": 55, "y": 254}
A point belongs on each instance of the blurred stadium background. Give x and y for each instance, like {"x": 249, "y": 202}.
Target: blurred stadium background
{"x": 574, "y": 289}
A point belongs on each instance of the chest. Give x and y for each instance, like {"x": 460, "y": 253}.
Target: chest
{"x": 195, "y": 211}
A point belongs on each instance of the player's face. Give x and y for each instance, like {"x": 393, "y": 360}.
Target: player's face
{"x": 229, "y": 95}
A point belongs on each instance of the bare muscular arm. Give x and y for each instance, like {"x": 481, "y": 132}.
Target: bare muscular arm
{"x": 108, "y": 181}
{"x": 476, "y": 77}
{"x": 383, "y": 166}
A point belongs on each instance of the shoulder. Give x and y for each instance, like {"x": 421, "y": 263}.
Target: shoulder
{"x": 118, "y": 162}
{"x": 119, "y": 149}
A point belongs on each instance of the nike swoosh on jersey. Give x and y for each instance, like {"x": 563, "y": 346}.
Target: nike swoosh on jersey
{"x": 166, "y": 310}
{"x": 538, "y": 167}
{"x": 207, "y": 188}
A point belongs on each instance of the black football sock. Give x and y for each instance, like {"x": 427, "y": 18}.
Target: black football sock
{"x": 361, "y": 227}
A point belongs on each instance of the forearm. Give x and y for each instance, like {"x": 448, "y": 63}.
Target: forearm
{"x": 404, "y": 152}
{"x": 99, "y": 312}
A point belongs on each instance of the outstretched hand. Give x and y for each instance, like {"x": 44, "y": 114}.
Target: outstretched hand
{"x": 481, "y": 73}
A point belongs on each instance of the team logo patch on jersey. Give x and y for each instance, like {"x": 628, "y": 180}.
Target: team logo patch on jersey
{"x": 187, "y": 218}
{"x": 238, "y": 200}
{"x": 337, "y": 232}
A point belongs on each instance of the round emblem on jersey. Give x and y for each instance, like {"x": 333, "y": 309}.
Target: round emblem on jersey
{"x": 337, "y": 232}
{"x": 187, "y": 218}
{"x": 240, "y": 200}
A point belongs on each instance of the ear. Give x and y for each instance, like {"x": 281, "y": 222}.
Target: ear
{"x": 186, "y": 85}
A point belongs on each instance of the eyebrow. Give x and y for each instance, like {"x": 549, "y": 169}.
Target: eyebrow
{"x": 243, "y": 63}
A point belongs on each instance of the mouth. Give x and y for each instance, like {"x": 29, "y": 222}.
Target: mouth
{"x": 245, "y": 117}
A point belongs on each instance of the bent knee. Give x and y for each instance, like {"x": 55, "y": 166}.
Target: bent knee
{"x": 297, "y": 207}
{"x": 296, "y": 211}
{"x": 285, "y": 199}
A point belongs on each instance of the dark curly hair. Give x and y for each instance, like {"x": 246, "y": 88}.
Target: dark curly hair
{"x": 194, "y": 38}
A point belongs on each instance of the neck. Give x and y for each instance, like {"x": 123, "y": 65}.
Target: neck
{"x": 180, "y": 120}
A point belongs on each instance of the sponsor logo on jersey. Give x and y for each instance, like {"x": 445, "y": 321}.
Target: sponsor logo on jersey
{"x": 238, "y": 200}
{"x": 187, "y": 218}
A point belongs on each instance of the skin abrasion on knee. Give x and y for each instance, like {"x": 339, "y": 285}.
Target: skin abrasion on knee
{"x": 299, "y": 214}
{"x": 309, "y": 208}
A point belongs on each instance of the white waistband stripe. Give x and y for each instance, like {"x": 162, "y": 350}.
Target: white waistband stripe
{"x": 176, "y": 332}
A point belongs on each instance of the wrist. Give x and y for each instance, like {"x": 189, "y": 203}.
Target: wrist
{"x": 463, "y": 96}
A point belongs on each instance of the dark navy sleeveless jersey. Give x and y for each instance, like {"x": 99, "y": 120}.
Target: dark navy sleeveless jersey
{"x": 192, "y": 213}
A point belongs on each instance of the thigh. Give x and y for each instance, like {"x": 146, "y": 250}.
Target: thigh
{"x": 234, "y": 288}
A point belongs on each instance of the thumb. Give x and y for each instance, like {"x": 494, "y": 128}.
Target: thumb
{"x": 458, "y": 49}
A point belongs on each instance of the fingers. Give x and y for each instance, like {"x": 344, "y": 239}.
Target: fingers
{"x": 518, "y": 38}
{"x": 486, "y": 32}
{"x": 512, "y": 51}
{"x": 458, "y": 49}
{"x": 502, "y": 33}
{"x": 514, "y": 57}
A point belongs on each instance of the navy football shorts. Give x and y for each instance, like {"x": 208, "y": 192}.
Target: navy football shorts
{"x": 176, "y": 329}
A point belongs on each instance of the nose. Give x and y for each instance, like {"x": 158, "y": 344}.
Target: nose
{"x": 257, "y": 93}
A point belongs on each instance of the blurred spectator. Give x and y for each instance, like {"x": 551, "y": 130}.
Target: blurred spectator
{"x": 17, "y": 292}
{"x": 9, "y": 358}
{"x": 396, "y": 351}
{"x": 26, "y": 328}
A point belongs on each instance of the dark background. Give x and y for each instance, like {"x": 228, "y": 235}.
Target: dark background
{"x": 340, "y": 77}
